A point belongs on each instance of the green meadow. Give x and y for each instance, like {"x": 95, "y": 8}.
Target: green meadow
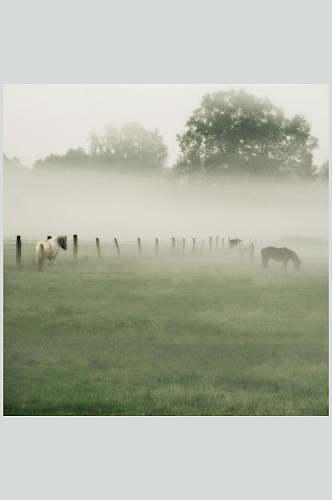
{"x": 201, "y": 334}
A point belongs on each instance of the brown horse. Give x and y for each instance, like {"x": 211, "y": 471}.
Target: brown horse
{"x": 283, "y": 255}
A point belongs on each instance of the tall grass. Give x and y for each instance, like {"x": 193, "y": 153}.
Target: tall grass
{"x": 194, "y": 335}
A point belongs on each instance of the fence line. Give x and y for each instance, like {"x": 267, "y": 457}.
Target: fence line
{"x": 175, "y": 246}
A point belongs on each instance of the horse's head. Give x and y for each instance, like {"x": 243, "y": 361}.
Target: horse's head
{"x": 62, "y": 241}
{"x": 296, "y": 260}
{"x": 234, "y": 242}
{"x": 297, "y": 264}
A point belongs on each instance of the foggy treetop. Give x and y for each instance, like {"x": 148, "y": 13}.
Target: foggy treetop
{"x": 231, "y": 133}
{"x": 235, "y": 132}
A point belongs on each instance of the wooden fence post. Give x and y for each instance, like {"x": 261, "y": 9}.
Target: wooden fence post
{"x": 194, "y": 244}
{"x": 18, "y": 251}
{"x": 75, "y": 245}
{"x": 252, "y": 251}
{"x": 183, "y": 245}
{"x": 173, "y": 245}
{"x": 139, "y": 245}
{"x": 117, "y": 247}
{"x": 156, "y": 246}
{"x": 210, "y": 243}
{"x": 223, "y": 243}
{"x": 217, "y": 242}
{"x": 98, "y": 247}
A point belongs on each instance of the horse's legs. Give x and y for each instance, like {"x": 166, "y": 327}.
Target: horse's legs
{"x": 51, "y": 261}
{"x": 40, "y": 262}
{"x": 252, "y": 251}
{"x": 285, "y": 264}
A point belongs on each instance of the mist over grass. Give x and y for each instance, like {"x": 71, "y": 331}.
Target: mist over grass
{"x": 95, "y": 202}
{"x": 189, "y": 333}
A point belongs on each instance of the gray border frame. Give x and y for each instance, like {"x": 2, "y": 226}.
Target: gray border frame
{"x": 159, "y": 42}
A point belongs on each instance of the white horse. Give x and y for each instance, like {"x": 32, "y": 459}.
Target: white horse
{"x": 243, "y": 246}
{"x": 247, "y": 247}
{"x": 48, "y": 249}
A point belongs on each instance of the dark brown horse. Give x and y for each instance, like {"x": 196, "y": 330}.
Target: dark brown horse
{"x": 283, "y": 255}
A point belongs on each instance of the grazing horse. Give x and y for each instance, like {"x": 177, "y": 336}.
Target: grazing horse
{"x": 243, "y": 246}
{"x": 49, "y": 249}
{"x": 283, "y": 255}
{"x": 234, "y": 243}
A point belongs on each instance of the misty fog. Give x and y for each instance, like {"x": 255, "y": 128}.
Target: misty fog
{"x": 95, "y": 203}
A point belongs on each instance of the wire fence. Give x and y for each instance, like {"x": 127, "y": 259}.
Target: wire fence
{"x": 23, "y": 248}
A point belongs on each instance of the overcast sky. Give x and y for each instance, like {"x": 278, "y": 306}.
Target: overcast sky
{"x": 44, "y": 119}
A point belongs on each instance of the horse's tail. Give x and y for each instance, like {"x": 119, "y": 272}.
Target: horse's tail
{"x": 40, "y": 255}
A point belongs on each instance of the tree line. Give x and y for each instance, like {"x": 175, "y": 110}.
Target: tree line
{"x": 231, "y": 133}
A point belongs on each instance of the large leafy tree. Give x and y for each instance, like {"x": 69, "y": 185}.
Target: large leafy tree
{"x": 129, "y": 147}
{"x": 233, "y": 132}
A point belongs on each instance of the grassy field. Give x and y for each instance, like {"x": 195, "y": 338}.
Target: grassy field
{"x": 176, "y": 335}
